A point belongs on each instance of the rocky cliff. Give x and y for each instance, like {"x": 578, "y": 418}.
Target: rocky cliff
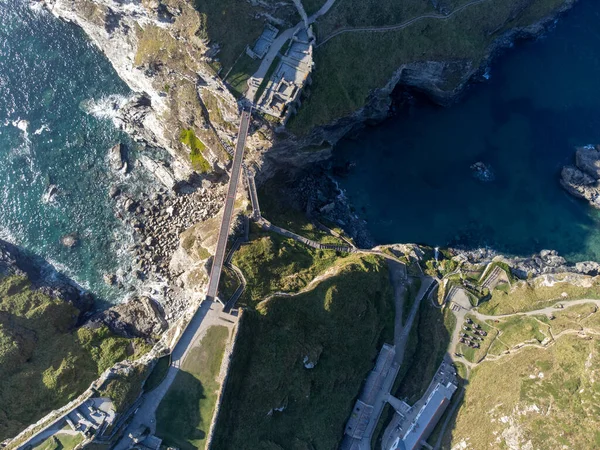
{"x": 583, "y": 179}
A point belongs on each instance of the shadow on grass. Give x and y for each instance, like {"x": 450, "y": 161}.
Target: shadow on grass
{"x": 179, "y": 413}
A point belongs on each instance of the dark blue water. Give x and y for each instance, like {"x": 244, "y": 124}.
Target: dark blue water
{"x": 56, "y": 128}
{"x": 413, "y": 183}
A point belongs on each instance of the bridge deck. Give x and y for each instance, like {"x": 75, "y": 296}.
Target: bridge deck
{"x": 217, "y": 265}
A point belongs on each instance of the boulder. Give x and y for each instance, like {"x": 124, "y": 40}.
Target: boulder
{"x": 69, "y": 240}
{"x": 587, "y": 159}
{"x": 580, "y": 184}
{"x": 138, "y": 317}
{"x": 110, "y": 279}
{"x": 588, "y": 267}
{"x": 116, "y": 158}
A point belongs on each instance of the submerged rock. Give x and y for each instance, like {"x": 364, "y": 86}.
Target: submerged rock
{"x": 70, "y": 240}
{"x": 483, "y": 172}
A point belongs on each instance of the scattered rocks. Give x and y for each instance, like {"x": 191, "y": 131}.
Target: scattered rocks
{"x": 583, "y": 179}
{"x": 114, "y": 191}
{"x": 110, "y": 279}
{"x": 70, "y": 240}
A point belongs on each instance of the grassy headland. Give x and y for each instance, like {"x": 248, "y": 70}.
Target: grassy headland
{"x": 44, "y": 360}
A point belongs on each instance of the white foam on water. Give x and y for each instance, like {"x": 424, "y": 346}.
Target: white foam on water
{"x": 41, "y": 129}
{"x": 106, "y": 107}
{"x": 37, "y": 7}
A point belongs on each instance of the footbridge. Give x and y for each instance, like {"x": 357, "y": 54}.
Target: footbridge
{"x": 218, "y": 261}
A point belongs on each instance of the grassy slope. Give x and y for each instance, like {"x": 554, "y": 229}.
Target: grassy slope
{"x": 272, "y": 263}
{"x": 42, "y": 355}
{"x": 184, "y": 415}
{"x": 344, "y": 75}
{"x": 341, "y": 325}
{"x": 547, "y": 397}
{"x": 526, "y": 296}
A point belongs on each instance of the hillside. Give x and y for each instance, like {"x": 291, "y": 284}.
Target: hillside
{"x": 45, "y": 360}
{"x": 300, "y": 360}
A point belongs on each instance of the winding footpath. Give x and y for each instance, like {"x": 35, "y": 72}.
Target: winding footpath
{"x": 400, "y": 26}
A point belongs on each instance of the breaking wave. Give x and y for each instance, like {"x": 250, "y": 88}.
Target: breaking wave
{"x": 106, "y": 107}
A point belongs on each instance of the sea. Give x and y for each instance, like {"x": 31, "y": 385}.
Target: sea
{"x": 485, "y": 172}
{"x": 58, "y": 98}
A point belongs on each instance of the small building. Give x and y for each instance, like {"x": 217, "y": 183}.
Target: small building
{"x": 263, "y": 43}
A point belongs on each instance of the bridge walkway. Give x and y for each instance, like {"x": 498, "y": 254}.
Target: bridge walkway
{"x": 217, "y": 265}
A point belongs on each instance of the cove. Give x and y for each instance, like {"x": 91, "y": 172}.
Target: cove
{"x": 411, "y": 177}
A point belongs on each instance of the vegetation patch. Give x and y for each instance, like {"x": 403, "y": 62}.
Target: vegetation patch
{"x": 300, "y": 361}
{"x": 199, "y": 162}
{"x": 534, "y": 294}
{"x": 283, "y": 211}
{"x": 158, "y": 374}
{"x": 63, "y": 440}
{"x": 125, "y": 389}
{"x": 475, "y": 355}
{"x": 272, "y": 263}
{"x": 44, "y": 360}
{"x": 183, "y": 417}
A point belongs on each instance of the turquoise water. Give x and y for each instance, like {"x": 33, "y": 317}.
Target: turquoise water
{"x": 412, "y": 180}
{"x": 56, "y": 92}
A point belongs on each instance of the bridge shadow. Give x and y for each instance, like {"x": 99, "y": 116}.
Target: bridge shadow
{"x": 180, "y": 414}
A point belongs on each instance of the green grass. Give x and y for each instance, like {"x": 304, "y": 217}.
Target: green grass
{"x": 350, "y": 66}
{"x": 340, "y": 325}
{"x": 434, "y": 329}
{"x": 158, "y": 374}
{"x": 243, "y": 69}
{"x": 228, "y": 284}
{"x": 199, "y": 162}
{"x": 312, "y": 6}
{"x": 546, "y": 396}
{"x": 477, "y": 354}
{"x": 44, "y": 355}
{"x": 125, "y": 389}
{"x": 530, "y": 295}
{"x": 272, "y": 263}
{"x": 516, "y": 330}
{"x": 184, "y": 415}
{"x": 61, "y": 441}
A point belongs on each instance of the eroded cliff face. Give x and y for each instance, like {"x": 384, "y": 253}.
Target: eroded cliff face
{"x": 159, "y": 50}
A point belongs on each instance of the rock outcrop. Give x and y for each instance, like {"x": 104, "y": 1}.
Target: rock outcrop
{"x": 139, "y": 317}
{"x": 583, "y": 179}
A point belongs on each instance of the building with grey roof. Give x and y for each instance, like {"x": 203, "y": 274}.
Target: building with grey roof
{"x": 427, "y": 418}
